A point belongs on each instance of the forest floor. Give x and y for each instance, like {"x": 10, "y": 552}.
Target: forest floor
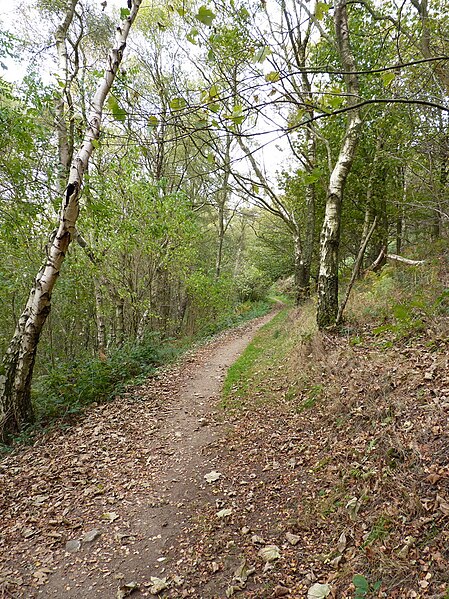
{"x": 331, "y": 459}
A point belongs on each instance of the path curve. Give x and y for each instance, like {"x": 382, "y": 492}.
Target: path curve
{"x": 129, "y": 473}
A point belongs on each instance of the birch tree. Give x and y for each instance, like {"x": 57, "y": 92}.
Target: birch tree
{"x": 19, "y": 360}
{"x": 327, "y": 308}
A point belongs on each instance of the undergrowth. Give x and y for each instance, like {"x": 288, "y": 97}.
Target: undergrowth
{"x": 242, "y": 313}
{"x": 400, "y": 302}
{"x": 68, "y": 389}
{"x": 367, "y": 426}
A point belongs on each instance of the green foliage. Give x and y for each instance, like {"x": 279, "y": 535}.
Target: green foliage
{"x": 239, "y": 378}
{"x": 251, "y": 284}
{"x": 362, "y": 586}
{"x": 69, "y": 388}
{"x": 205, "y": 16}
{"x": 313, "y": 394}
{"x": 404, "y": 300}
{"x": 118, "y": 113}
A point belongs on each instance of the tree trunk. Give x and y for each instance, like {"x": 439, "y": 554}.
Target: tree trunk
{"x": 101, "y": 329}
{"x": 355, "y": 270}
{"x": 310, "y": 197}
{"x": 65, "y": 140}
{"x": 301, "y": 279}
{"x": 223, "y": 197}
{"x": 119, "y": 321}
{"x": 330, "y": 234}
{"x": 18, "y": 362}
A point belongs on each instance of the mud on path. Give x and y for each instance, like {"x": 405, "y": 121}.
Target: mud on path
{"x": 100, "y": 505}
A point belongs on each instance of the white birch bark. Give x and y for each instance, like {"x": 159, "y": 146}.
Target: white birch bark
{"x": 18, "y": 362}
{"x": 327, "y": 309}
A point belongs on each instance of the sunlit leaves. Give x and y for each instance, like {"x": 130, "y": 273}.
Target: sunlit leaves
{"x": 205, "y": 16}
{"x": 236, "y": 115}
{"x": 387, "y": 78}
{"x": 124, "y": 13}
{"x": 272, "y": 77}
{"x": 118, "y": 113}
{"x": 153, "y": 122}
{"x": 192, "y": 35}
{"x": 313, "y": 176}
{"x": 177, "y": 103}
{"x": 321, "y": 8}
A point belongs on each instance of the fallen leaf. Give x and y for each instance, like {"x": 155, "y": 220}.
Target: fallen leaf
{"x": 239, "y": 579}
{"x": 224, "y": 512}
{"x": 90, "y": 536}
{"x": 28, "y": 532}
{"x": 214, "y": 567}
{"x": 126, "y": 589}
{"x": 270, "y": 553}
{"x": 73, "y": 545}
{"x": 257, "y": 540}
{"x": 318, "y": 591}
{"x": 211, "y": 477}
{"x": 443, "y": 505}
{"x": 242, "y": 572}
{"x": 341, "y": 544}
{"x": 110, "y": 516}
{"x": 292, "y": 539}
{"x": 40, "y": 576}
{"x": 157, "y": 585}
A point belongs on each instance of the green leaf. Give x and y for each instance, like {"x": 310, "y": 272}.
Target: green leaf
{"x": 191, "y": 36}
{"x": 153, "y": 121}
{"x": 124, "y": 13}
{"x": 321, "y": 9}
{"x": 205, "y": 16}
{"x": 118, "y": 113}
{"x": 236, "y": 115}
{"x": 272, "y": 77}
{"x": 214, "y": 107}
{"x": 335, "y": 100}
{"x": 95, "y": 143}
{"x": 178, "y": 103}
{"x": 312, "y": 177}
{"x": 361, "y": 584}
{"x": 387, "y": 78}
{"x": 261, "y": 54}
{"x": 213, "y": 92}
{"x": 318, "y": 591}
{"x": 181, "y": 12}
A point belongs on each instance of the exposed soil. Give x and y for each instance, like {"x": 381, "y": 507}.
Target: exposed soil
{"x": 131, "y": 473}
{"x": 309, "y": 483}
{"x": 346, "y": 475}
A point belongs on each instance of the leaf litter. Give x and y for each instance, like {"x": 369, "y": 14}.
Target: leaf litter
{"x": 359, "y": 485}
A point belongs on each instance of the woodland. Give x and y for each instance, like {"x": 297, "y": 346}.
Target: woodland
{"x": 170, "y": 170}
{"x": 168, "y": 163}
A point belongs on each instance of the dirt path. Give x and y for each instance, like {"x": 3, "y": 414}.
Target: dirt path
{"x": 100, "y": 505}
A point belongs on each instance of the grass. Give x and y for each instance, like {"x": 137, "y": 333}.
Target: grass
{"x": 259, "y": 355}
{"x": 262, "y": 372}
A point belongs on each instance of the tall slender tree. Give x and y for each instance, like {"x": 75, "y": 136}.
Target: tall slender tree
{"x": 19, "y": 360}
